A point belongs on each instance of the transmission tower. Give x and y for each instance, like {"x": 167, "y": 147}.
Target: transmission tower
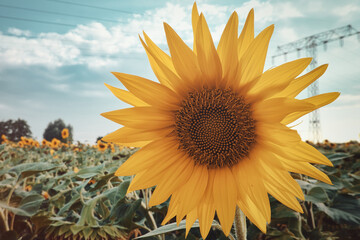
{"x": 310, "y": 44}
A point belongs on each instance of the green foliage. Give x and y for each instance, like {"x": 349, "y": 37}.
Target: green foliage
{"x": 53, "y": 130}
{"x": 15, "y": 129}
{"x": 86, "y": 201}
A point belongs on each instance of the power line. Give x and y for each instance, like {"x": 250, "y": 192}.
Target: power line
{"x": 91, "y": 6}
{"x": 310, "y": 44}
{"x": 38, "y": 21}
{"x": 56, "y": 13}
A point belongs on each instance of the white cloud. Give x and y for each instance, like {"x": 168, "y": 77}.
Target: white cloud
{"x": 94, "y": 93}
{"x": 268, "y": 12}
{"x": 346, "y": 101}
{"x": 19, "y": 32}
{"x": 61, "y": 87}
{"x": 287, "y": 34}
{"x": 93, "y": 44}
{"x": 4, "y": 107}
{"x": 346, "y": 10}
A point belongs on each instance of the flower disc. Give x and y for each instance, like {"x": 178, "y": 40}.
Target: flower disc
{"x": 215, "y": 127}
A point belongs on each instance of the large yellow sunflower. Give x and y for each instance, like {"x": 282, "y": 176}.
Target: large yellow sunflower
{"x": 214, "y": 132}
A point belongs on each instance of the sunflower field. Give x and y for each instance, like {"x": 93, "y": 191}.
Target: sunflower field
{"x": 54, "y": 190}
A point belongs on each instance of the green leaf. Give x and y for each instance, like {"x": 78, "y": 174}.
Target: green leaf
{"x": 76, "y": 228}
{"x": 90, "y": 171}
{"x": 170, "y": 228}
{"x": 74, "y": 199}
{"x": 87, "y": 214}
{"x": 87, "y": 232}
{"x": 31, "y": 204}
{"x": 28, "y": 169}
{"x": 63, "y": 229}
{"x": 338, "y": 156}
{"x": 316, "y": 195}
{"x": 124, "y": 212}
{"x": 344, "y": 210}
{"x": 282, "y": 211}
{"x": 16, "y": 211}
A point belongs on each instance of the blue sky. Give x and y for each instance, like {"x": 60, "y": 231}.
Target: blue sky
{"x": 55, "y": 55}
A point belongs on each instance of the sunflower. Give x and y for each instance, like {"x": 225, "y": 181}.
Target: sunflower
{"x": 36, "y": 144}
{"x": 3, "y": 137}
{"x": 101, "y": 146}
{"x": 214, "y": 132}
{"x": 44, "y": 142}
{"x": 65, "y": 133}
{"x": 21, "y": 144}
{"x": 55, "y": 143}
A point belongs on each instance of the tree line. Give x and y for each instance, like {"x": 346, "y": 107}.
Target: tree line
{"x": 15, "y": 129}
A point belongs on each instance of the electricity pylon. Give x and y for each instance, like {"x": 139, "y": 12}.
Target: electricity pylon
{"x": 310, "y": 44}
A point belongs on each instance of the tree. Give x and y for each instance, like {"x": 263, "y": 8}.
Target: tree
{"x": 14, "y": 130}
{"x": 99, "y": 139}
{"x": 53, "y": 130}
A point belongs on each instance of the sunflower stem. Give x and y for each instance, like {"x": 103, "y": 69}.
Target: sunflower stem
{"x": 240, "y": 224}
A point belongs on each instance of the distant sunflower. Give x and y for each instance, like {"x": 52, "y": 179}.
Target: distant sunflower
{"x": 65, "y": 133}
{"x": 27, "y": 141}
{"x": 55, "y": 143}
{"x": 44, "y": 142}
{"x": 214, "y": 131}
{"x": 36, "y": 144}
{"x": 101, "y": 146}
{"x": 21, "y": 144}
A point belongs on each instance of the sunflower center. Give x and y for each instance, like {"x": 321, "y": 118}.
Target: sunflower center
{"x": 215, "y": 127}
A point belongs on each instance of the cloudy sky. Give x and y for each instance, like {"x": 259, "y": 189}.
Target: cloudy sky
{"x": 56, "y": 55}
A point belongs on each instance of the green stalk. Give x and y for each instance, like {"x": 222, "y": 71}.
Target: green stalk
{"x": 240, "y": 224}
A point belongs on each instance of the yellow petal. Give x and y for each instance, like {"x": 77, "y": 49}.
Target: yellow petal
{"x": 154, "y": 174}
{"x": 283, "y": 196}
{"x": 190, "y": 194}
{"x": 183, "y": 57}
{"x": 307, "y": 169}
{"x": 207, "y": 56}
{"x": 252, "y": 62}
{"x": 190, "y": 219}
{"x": 172, "y": 180}
{"x": 126, "y": 96}
{"x": 276, "y": 79}
{"x": 147, "y": 156}
{"x": 206, "y": 209}
{"x": 126, "y": 135}
{"x": 302, "y": 152}
{"x": 300, "y": 83}
{"x": 225, "y": 197}
{"x": 171, "y": 211}
{"x": 159, "y": 73}
{"x": 318, "y": 101}
{"x": 246, "y": 35}
{"x": 277, "y": 133}
{"x": 278, "y": 176}
{"x": 150, "y": 92}
{"x": 276, "y": 109}
{"x": 194, "y": 21}
{"x": 225, "y": 49}
{"x": 166, "y": 71}
{"x": 141, "y": 117}
{"x": 250, "y": 185}
{"x": 160, "y": 54}
{"x": 252, "y": 212}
